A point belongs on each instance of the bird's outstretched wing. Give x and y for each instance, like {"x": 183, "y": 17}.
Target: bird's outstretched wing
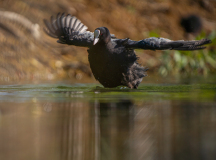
{"x": 154, "y": 43}
{"x": 69, "y": 30}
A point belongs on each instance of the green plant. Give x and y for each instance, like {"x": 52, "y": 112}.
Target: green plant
{"x": 187, "y": 62}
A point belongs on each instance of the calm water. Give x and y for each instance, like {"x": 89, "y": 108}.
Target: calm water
{"x": 84, "y": 122}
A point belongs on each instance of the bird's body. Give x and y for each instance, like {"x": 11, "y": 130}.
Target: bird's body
{"x": 113, "y": 65}
{"x": 113, "y": 61}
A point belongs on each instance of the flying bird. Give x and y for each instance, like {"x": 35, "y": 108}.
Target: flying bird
{"x": 113, "y": 61}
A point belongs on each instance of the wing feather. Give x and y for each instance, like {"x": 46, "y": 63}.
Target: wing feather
{"x": 69, "y": 30}
{"x": 58, "y": 23}
{"x": 67, "y": 20}
{"x": 49, "y": 27}
{"x": 154, "y": 43}
{"x": 53, "y": 23}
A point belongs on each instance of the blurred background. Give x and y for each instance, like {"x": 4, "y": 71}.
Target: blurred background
{"x": 28, "y": 55}
{"x": 170, "y": 117}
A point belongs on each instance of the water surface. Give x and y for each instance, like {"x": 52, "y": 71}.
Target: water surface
{"x": 86, "y": 122}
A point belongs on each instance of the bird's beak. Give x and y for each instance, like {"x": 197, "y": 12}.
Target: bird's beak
{"x": 96, "y": 36}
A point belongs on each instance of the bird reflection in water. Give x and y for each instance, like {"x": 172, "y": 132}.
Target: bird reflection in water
{"x": 116, "y": 122}
{"x": 105, "y": 134}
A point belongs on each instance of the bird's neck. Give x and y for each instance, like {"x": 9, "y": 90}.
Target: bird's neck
{"x": 104, "y": 42}
{"x": 107, "y": 40}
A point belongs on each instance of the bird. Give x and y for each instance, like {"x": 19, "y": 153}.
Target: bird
{"x": 113, "y": 61}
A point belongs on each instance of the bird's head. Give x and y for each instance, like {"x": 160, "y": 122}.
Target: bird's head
{"x": 101, "y": 35}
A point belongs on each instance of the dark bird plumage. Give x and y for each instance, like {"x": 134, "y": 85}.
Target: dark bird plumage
{"x": 113, "y": 61}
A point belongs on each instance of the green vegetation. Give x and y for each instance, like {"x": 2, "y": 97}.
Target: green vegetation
{"x": 89, "y": 92}
{"x": 187, "y": 62}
